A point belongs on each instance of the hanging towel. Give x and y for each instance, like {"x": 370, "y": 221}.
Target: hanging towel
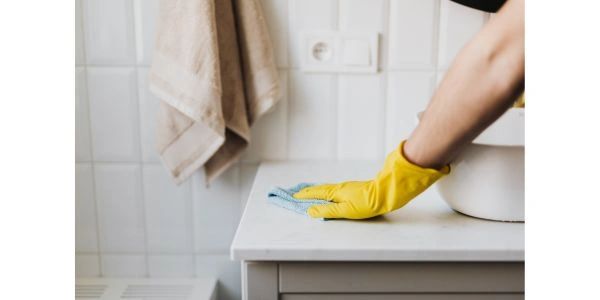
{"x": 214, "y": 71}
{"x": 284, "y": 198}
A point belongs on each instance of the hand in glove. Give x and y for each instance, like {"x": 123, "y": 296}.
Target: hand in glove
{"x": 395, "y": 185}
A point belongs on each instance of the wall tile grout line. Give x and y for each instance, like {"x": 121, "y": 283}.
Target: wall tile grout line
{"x": 289, "y": 70}
{"x": 385, "y": 43}
{"x": 137, "y": 31}
{"x": 335, "y": 84}
{"x": 142, "y": 189}
{"x": 193, "y": 226}
{"x": 336, "y": 89}
{"x": 136, "y": 15}
{"x": 286, "y": 98}
{"x": 436, "y": 42}
{"x": 385, "y": 77}
{"x": 92, "y": 162}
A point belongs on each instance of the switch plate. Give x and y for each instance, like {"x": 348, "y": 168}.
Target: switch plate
{"x": 339, "y": 52}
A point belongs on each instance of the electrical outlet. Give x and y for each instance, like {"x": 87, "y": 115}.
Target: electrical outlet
{"x": 339, "y": 52}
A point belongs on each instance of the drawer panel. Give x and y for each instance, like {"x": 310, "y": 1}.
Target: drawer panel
{"x": 402, "y": 296}
{"x": 367, "y": 277}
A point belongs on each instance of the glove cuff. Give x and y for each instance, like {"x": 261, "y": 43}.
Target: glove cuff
{"x": 401, "y": 159}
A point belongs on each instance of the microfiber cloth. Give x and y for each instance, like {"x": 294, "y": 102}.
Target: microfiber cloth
{"x": 284, "y": 198}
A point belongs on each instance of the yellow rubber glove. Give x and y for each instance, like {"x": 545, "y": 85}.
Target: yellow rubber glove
{"x": 520, "y": 101}
{"x": 395, "y": 185}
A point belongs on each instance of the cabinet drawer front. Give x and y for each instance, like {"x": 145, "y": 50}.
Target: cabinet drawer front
{"x": 402, "y": 297}
{"x": 357, "y": 277}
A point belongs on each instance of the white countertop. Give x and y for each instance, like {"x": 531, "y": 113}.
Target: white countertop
{"x": 426, "y": 229}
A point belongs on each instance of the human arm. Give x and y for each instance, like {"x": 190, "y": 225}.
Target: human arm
{"x": 482, "y": 83}
{"x": 484, "y": 80}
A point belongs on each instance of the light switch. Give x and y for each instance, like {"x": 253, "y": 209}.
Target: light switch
{"x": 339, "y": 52}
{"x": 356, "y": 52}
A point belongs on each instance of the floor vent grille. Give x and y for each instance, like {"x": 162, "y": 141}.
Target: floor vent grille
{"x": 145, "y": 289}
{"x": 87, "y": 291}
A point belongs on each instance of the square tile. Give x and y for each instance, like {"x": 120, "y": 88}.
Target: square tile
{"x": 133, "y": 266}
{"x": 408, "y": 94}
{"x": 83, "y": 148}
{"x": 226, "y": 271}
{"x": 413, "y": 33}
{"x": 312, "y": 117}
{"x": 168, "y": 212}
{"x": 146, "y": 15}
{"x": 161, "y": 266}
{"x": 269, "y": 133}
{"x": 120, "y": 207}
{"x": 361, "y": 121}
{"x": 148, "y": 117}
{"x": 86, "y": 238}
{"x": 87, "y": 265}
{"x": 276, "y": 15}
{"x": 114, "y": 114}
{"x": 458, "y": 24}
{"x": 108, "y": 29}
{"x": 216, "y": 210}
{"x": 309, "y": 15}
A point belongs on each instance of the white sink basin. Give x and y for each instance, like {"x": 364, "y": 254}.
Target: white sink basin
{"x": 487, "y": 179}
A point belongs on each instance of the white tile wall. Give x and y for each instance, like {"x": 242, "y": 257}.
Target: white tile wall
{"x": 361, "y": 116}
{"x": 269, "y": 134}
{"x": 132, "y": 221}
{"x": 362, "y": 15}
{"x": 458, "y": 24}
{"x": 312, "y": 117}
{"x": 79, "y": 52}
{"x": 413, "y": 33}
{"x": 87, "y": 265}
{"x": 247, "y": 174}
{"x": 146, "y": 12}
{"x": 86, "y": 238}
{"x": 148, "y": 105}
{"x": 171, "y": 265}
{"x": 168, "y": 212}
{"x": 114, "y": 113}
{"x": 408, "y": 94}
{"x": 109, "y": 36}
{"x": 82, "y": 118}
{"x": 216, "y": 211}
{"x": 308, "y": 15}
{"x": 120, "y": 208}
{"x": 124, "y": 266}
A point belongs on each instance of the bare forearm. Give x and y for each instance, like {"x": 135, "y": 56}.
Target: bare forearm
{"x": 482, "y": 83}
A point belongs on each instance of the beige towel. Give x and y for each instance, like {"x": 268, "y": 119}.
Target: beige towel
{"x": 214, "y": 70}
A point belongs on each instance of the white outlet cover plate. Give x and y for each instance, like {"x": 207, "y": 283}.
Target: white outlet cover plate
{"x": 339, "y": 52}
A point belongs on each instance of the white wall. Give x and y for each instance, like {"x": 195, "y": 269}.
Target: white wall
{"x": 132, "y": 221}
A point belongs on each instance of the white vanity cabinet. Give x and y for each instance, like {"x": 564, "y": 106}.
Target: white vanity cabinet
{"x": 424, "y": 251}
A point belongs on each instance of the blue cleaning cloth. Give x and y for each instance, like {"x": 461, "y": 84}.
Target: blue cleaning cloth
{"x": 284, "y": 198}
